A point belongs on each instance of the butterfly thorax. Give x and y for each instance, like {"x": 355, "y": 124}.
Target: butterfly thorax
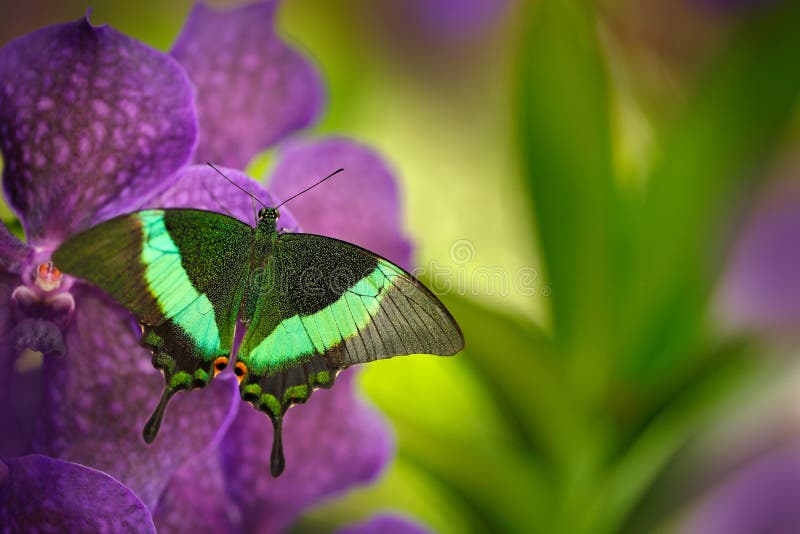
{"x": 264, "y": 236}
{"x": 263, "y": 244}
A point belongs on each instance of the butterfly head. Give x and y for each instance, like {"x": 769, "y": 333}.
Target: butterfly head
{"x": 268, "y": 214}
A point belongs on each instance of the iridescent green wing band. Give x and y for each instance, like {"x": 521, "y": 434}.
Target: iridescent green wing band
{"x": 173, "y": 290}
{"x": 298, "y": 337}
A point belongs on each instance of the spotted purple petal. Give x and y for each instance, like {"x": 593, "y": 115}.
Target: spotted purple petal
{"x": 201, "y": 187}
{"x": 252, "y": 89}
{"x": 762, "y": 497}
{"x": 762, "y": 290}
{"x": 20, "y": 387}
{"x": 332, "y": 442}
{"x": 385, "y": 524}
{"x": 360, "y": 205}
{"x": 20, "y": 395}
{"x": 8, "y": 282}
{"x": 196, "y": 500}
{"x": 101, "y": 393}
{"x": 41, "y": 494}
{"x": 13, "y": 252}
{"x": 91, "y": 122}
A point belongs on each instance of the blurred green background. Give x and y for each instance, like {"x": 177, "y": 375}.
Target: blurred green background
{"x": 579, "y": 172}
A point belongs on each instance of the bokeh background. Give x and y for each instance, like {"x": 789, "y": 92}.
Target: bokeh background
{"x": 606, "y": 195}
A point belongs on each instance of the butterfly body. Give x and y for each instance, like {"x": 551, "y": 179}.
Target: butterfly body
{"x": 311, "y": 305}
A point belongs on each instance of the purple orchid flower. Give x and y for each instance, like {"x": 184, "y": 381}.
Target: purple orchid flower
{"x": 761, "y": 290}
{"x": 94, "y": 124}
{"x": 761, "y": 497}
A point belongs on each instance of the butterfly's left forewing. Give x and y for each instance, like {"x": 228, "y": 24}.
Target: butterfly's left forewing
{"x": 325, "y": 305}
{"x": 182, "y": 273}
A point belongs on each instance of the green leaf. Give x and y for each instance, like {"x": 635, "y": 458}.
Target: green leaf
{"x": 437, "y": 394}
{"x": 488, "y": 423}
{"x": 695, "y": 406}
{"x": 503, "y": 486}
{"x": 720, "y": 142}
{"x": 516, "y": 364}
{"x": 405, "y": 488}
{"x": 565, "y": 144}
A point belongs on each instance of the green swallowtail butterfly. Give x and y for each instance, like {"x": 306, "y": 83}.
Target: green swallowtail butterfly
{"x": 312, "y": 305}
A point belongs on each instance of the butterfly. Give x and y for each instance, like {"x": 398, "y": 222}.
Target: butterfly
{"x": 312, "y": 305}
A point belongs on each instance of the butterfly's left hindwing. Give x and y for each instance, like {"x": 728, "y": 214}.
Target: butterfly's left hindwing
{"x": 182, "y": 273}
{"x": 324, "y": 305}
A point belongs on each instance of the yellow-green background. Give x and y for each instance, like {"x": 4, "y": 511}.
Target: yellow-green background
{"x": 532, "y": 428}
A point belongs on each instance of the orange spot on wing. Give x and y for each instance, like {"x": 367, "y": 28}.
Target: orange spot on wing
{"x": 220, "y": 364}
{"x": 240, "y": 371}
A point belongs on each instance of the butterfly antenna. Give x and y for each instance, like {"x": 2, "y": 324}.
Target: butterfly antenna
{"x": 331, "y": 175}
{"x": 251, "y": 195}
{"x": 255, "y": 211}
